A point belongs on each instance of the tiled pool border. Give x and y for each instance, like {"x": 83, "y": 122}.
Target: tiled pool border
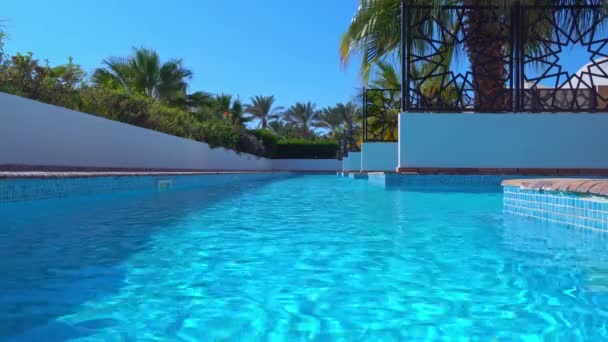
{"x": 564, "y": 201}
{"x": 399, "y": 180}
{"x": 19, "y": 189}
{"x": 575, "y": 202}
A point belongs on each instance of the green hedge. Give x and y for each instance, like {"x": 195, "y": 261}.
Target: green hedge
{"x": 268, "y": 139}
{"x": 306, "y": 149}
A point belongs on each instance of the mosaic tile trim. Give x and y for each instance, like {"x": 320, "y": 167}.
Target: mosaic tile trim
{"x": 378, "y": 179}
{"x": 592, "y": 186}
{"x": 357, "y": 175}
{"x": 17, "y": 190}
{"x": 583, "y": 211}
{"x": 397, "y": 180}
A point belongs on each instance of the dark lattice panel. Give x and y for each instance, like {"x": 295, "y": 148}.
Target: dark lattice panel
{"x": 549, "y": 85}
{"x": 381, "y": 114}
{"x": 496, "y": 59}
{"x": 452, "y": 66}
{"x": 349, "y": 143}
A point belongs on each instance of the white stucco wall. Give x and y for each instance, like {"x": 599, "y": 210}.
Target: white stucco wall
{"x": 503, "y": 140}
{"x": 379, "y": 156}
{"x": 34, "y": 133}
{"x": 344, "y": 163}
{"x": 353, "y": 162}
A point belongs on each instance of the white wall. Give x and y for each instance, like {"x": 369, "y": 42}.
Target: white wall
{"x": 306, "y": 164}
{"x": 33, "y": 133}
{"x": 379, "y": 156}
{"x": 353, "y": 162}
{"x": 503, "y": 140}
{"x": 345, "y": 163}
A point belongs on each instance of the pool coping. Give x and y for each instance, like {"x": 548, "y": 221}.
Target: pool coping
{"x": 584, "y": 186}
{"x": 549, "y": 172}
{"x": 6, "y": 175}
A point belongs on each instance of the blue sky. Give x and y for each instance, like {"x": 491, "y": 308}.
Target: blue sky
{"x": 285, "y": 48}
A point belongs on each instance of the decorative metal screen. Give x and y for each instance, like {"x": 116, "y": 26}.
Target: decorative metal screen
{"x": 349, "y": 141}
{"x": 381, "y": 114}
{"x": 452, "y": 65}
{"x": 549, "y": 34}
{"x": 505, "y": 59}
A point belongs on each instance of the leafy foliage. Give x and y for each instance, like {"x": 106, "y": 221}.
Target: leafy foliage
{"x": 302, "y": 117}
{"x": 306, "y": 149}
{"x": 143, "y": 73}
{"x": 262, "y": 108}
{"x": 476, "y": 32}
{"x": 141, "y": 91}
{"x": 269, "y": 139}
{"x": 24, "y": 76}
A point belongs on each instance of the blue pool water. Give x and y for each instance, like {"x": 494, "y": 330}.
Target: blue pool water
{"x": 305, "y": 258}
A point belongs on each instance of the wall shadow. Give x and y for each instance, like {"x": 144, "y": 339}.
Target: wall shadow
{"x": 57, "y": 254}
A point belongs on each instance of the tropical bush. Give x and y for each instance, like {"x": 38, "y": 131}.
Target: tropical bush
{"x": 65, "y": 86}
{"x": 141, "y": 91}
{"x": 306, "y": 149}
{"x": 24, "y": 76}
{"x": 220, "y": 133}
{"x": 268, "y": 139}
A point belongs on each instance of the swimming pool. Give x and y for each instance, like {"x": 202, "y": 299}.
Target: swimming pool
{"x": 298, "y": 258}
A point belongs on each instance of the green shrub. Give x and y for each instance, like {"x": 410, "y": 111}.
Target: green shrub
{"x": 219, "y": 132}
{"x": 306, "y": 149}
{"x": 116, "y": 105}
{"x": 249, "y": 143}
{"x": 210, "y": 120}
{"x": 269, "y": 140}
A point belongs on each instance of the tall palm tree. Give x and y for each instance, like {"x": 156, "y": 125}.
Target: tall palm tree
{"x": 375, "y": 33}
{"x": 302, "y": 116}
{"x": 351, "y": 114}
{"x": 330, "y": 119}
{"x": 282, "y": 128}
{"x": 144, "y": 73}
{"x": 261, "y": 108}
{"x": 339, "y": 118}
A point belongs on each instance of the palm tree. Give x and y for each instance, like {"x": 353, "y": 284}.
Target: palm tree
{"x": 351, "y": 114}
{"x": 144, "y": 73}
{"x": 199, "y": 100}
{"x": 261, "y": 108}
{"x": 375, "y": 33}
{"x": 222, "y": 104}
{"x": 436, "y": 91}
{"x": 385, "y": 76}
{"x": 282, "y": 128}
{"x": 238, "y": 113}
{"x": 331, "y": 119}
{"x": 230, "y": 109}
{"x": 301, "y": 116}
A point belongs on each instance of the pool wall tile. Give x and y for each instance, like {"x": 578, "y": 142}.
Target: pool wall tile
{"x": 17, "y": 190}
{"x": 400, "y": 180}
{"x": 580, "y": 210}
{"x": 356, "y": 175}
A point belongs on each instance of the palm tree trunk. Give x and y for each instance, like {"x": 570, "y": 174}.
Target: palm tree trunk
{"x": 264, "y": 123}
{"x": 486, "y": 46}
